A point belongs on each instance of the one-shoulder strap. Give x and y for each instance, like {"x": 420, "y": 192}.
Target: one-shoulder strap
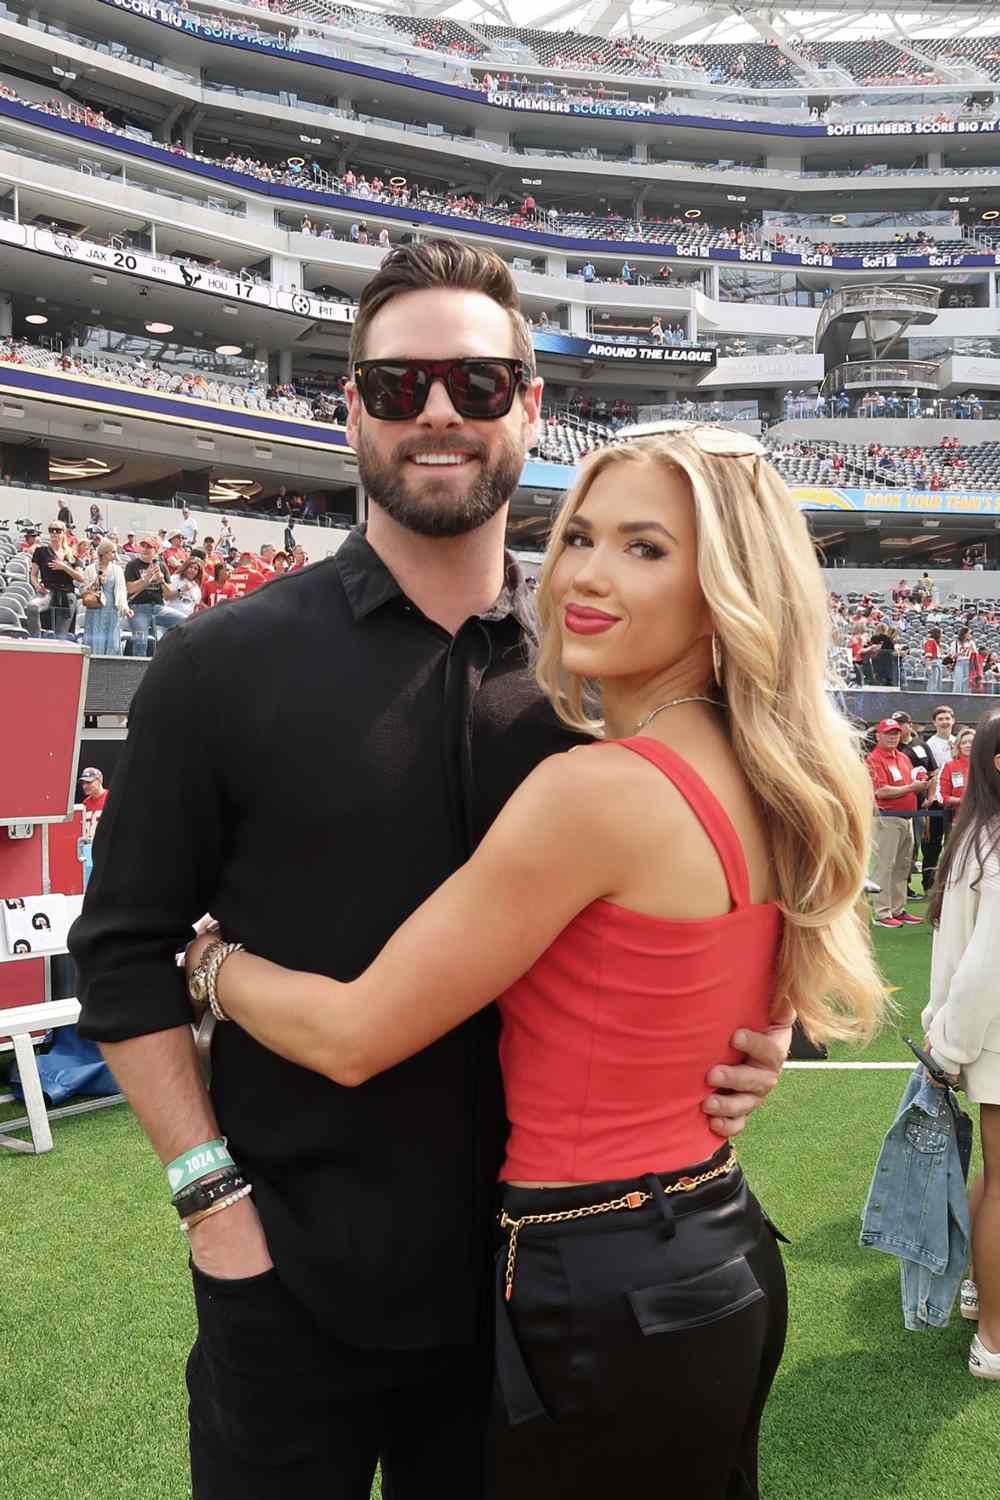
{"x": 706, "y": 807}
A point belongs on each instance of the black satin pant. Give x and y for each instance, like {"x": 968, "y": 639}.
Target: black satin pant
{"x": 639, "y": 1347}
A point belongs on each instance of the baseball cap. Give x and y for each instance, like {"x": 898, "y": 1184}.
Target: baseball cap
{"x": 90, "y": 773}
{"x": 887, "y": 726}
{"x": 149, "y": 541}
{"x": 901, "y": 716}
{"x": 177, "y": 536}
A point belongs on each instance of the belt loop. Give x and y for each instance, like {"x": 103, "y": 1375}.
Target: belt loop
{"x": 655, "y": 1187}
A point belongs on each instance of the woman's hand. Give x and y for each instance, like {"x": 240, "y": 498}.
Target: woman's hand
{"x": 953, "y": 1078}
{"x": 208, "y": 932}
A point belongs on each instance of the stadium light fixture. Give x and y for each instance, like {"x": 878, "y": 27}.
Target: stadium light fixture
{"x": 99, "y": 280}
{"x": 36, "y": 318}
{"x": 205, "y": 444}
{"x": 692, "y": 213}
{"x": 159, "y": 327}
{"x": 991, "y": 213}
{"x": 838, "y": 218}
{"x": 953, "y": 198}
{"x": 229, "y": 348}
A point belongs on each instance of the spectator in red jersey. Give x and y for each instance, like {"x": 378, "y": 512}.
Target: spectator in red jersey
{"x": 267, "y": 561}
{"x": 245, "y": 577}
{"x": 299, "y": 559}
{"x": 955, "y": 776}
{"x": 95, "y": 795}
{"x": 899, "y": 789}
{"x": 280, "y": 563}
{"x": 214, "y": 583}
{"x": 129, "y": 544}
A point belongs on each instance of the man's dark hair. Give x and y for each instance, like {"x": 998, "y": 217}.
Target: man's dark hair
{"x": 450, "y": 265}
{"x": 975, "y": 832}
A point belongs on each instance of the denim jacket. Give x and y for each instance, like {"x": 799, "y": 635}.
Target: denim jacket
{"x": 917, "y": 1208}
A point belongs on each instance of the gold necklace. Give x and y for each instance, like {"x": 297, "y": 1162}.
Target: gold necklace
{"x": 698, "y": 698}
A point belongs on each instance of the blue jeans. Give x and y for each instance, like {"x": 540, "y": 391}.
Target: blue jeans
{"x": 170, "y": 617}
{"x": 960, "y": 677}
{"x": 144, "y": 626}
{"x": 102, "y": 631}
{"x": 934, "y": 675}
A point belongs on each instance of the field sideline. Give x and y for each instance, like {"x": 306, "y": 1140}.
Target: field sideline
{"x": 96, "y": 1307}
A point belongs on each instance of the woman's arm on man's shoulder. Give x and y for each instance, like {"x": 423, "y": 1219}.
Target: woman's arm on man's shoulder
{"x": 556, "y": 846}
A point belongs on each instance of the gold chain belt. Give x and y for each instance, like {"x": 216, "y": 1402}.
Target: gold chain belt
{"x": 627, "y": 1200}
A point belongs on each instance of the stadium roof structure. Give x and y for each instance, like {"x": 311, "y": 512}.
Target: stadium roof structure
{"x": 737, "y": 21}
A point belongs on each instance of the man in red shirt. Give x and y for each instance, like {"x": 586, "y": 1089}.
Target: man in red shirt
{"x": 896, "y": 792}
{"x": 245, "y": 577}
{"x": 176, "y": 555}
{"x": 95, "y": 795}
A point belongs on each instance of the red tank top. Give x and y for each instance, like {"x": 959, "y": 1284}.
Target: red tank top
{"x": 607, "y": 1038}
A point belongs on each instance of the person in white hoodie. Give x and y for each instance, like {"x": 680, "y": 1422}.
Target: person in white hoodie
{"x": 962, "y": 1018}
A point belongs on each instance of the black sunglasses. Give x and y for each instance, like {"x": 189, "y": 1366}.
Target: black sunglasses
{"x": 396, "y": 390}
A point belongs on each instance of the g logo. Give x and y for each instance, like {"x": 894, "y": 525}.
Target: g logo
{"x": 41, "y": 923}
{"x": 300, "y": 304}
{"x": 21, "y": 946}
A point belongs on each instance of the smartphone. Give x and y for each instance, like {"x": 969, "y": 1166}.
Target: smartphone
{"x": 928, "y": 1063}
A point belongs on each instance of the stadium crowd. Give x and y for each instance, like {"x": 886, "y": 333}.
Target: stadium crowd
{"x": 123, "y": 594}
{"x": 285, "y": 400}
{"x": 519, "y": 212}
{"x": 913, "y": 638}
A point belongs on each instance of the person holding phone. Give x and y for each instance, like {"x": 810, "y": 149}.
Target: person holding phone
{"x": 147, "y": 583}
{"x": 53, "y": 575}
{"x": 962, "y": 1017}
{"x": 899, "y": 789}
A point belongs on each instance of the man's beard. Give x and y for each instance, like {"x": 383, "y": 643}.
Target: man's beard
{"x": 439, "y": 509}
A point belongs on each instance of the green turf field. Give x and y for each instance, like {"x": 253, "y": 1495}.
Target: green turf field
{"x": 96, "y": 1311}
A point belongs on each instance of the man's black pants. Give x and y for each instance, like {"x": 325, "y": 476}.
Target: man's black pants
{"x": 279, "y": 1410}
{"x": 934, "y": 835}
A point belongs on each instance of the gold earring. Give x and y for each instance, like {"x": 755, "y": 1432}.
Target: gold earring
{"x": 716, "y": 660}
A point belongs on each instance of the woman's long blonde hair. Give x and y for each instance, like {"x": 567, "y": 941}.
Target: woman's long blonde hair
{"x": 761, "y": 579}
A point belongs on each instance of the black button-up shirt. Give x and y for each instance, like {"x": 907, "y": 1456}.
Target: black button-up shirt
{"x": 309, "y": 764}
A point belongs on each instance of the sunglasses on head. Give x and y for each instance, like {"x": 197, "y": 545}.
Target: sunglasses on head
{"x": 710, "y": 439}
{"x": 396, "y": 390}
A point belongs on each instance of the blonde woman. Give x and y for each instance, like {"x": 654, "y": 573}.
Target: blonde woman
{"x": 696, "y": 871}
{"x": 962, "y": 1016}
{"x": 104, "y": 579}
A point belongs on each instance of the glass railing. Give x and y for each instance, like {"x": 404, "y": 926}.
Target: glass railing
{"x": 881, "y": 372}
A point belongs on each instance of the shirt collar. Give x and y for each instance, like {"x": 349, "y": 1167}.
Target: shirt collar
{"x": 369, "y": 585}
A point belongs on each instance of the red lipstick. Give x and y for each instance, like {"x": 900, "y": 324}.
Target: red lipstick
{"x": 583, "y": 621}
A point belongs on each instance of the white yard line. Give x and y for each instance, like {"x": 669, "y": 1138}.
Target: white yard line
{"x": 845, "y": 1066}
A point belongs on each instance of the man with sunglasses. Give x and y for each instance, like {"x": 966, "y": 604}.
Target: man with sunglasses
{"x": 53, "y": 577}
{"x": 344, "y": 1310}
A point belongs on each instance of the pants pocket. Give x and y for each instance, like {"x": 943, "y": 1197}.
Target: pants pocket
{"x": 697, "y": 1301}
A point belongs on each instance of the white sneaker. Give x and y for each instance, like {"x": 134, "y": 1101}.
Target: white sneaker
{"x": 982, "y": 1362}
{"x": 968, "y": 1301}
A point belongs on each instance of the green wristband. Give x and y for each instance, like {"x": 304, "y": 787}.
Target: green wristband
{"x": 210, "y": 1156}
